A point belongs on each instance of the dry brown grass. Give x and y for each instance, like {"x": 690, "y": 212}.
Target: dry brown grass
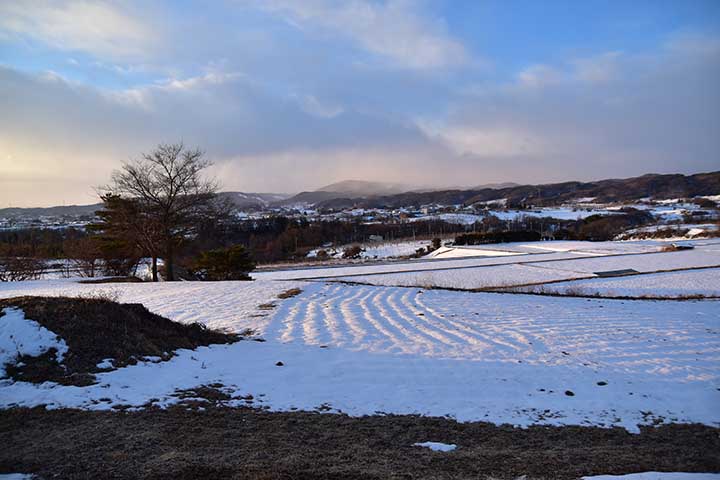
{"x": 252, "y": 444}
{"x": 113, "y": 280}
{"x": 293, "y": 292}
{"x": 97, "y": 328}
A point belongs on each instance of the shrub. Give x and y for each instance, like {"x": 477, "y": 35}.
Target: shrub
{"x": 85, "y": 254}
{"x": 705, "y": 203}
{"x": 17, "y": 269}
{"x": 352, "y": 252}
{"x": 232, "y": 263}
{"x": 478, "y": 238}
{"x": 601, "y": 227}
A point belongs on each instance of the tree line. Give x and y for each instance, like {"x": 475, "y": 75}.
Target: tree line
{"x": 163, "y": 207}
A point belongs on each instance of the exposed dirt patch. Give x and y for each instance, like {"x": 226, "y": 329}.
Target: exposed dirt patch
{"x": 247, "y": 443}
{"x": 293, "y": 292}
{"x": 113, "y": 280}
{"x": 95, "y": 330}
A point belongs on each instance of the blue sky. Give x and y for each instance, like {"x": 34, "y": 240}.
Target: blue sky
{"x": 287, "y": 95}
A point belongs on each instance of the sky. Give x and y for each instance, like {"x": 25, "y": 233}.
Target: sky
{"x": 291, "y": 95}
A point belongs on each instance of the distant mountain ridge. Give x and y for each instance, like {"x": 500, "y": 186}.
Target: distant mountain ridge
{"x": 364, "y": 188}
{"x": 56, "y": 211}
{"x": 357, "y": 193}
{"x": 660, "y": 186}
{"x": 495, "y": 186}
{"x": 253, "y": 201}
{"x": 345, "y": 189}
{"x": 244, "y": 201}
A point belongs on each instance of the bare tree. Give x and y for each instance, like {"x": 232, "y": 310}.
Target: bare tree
{"x": 168, "y": 188}
{"x": 85, "y": 254}
{"x": 18, "y": 269}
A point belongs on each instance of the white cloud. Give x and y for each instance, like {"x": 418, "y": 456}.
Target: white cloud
{"x": 538, "y": 76}
{"x": 394, "y": 29}
{"x": 285, "y": 110}
{"x": 313, "y": 106}
{"x": 95, "y": 27}
{"x": 595, "y": 117}
{"x": 57, "y": 129}
{"x": 598, "y": 69}
{"x": 493, "y": 141}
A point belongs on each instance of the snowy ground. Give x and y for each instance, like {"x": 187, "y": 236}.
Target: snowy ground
{"x": 376, "y": 250}
{"x": 460, "y": 252}
{"x": 657, "y": 476}
{"x": 693, "y": 230}
{"x": 234, "y": 306}
{"x": 405, "y": 266}
{"x": 705, "y": 282}
{"x": 494, "y": 276}
{"x": 495, "y": 357}
{"x": 364, "y": 349}
{"x": 471, "y": 257}
{"x": 537, "y": 269}
{"x": 21, "y": 336}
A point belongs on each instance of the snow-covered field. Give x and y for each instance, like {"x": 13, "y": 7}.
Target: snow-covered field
{"x": 526, "y": 269}
{"x": 562, "y": 213}
{"x": 405, "y": 266}
{"x": 221, "y": 305}
{"x": 364, "y": 349}
{"x": 376, "y": 250}
{"x": 494, "y": 276}
{"x": 461, "y": 252}
{"x": 495, "y": 357}
{"x": 701, "y": 256}
{"x": 685, "y": 283}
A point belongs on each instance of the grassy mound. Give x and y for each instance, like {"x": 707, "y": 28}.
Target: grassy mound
{"x": 96, "y": 329}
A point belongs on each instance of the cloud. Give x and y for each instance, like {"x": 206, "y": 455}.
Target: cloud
{"x": 597, "y": 69}
{"x": 55, "y": 127}
{"x": 538, "y": 76}
{"x": 301, "y": 94}
{"x": 394, "y": 29}
{"x": 100, "y": 28}
{"x": 595, "y": 117}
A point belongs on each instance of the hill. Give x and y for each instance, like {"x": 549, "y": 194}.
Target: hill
{"x": 361, "y": 188}
{"x": 243, "y": 201}
{"x": 252, "y": 201}
{"x": 56, "y": 211}
{"x": 345, "y": 190}
{"x": 602, "y": 191}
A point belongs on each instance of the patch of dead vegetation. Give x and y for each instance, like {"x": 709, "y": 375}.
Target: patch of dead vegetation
{"x": 293, "y": 292}
{"x": 184, "y": 443}
{"x": 113, "y": 280}
{"x": 97, "y": 329}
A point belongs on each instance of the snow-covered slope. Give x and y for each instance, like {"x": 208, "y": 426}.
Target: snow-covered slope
{"x": 361, "y": 350}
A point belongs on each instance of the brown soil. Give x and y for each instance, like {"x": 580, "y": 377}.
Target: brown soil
{"x": 113, "y": 280}
{"x": 96, "y": 329}
{"x": 245, "y": 443}
{"x": 293, "y": 292}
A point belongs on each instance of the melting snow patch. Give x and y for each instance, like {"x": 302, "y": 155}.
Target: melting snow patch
{"x": 658, "y": 476}
{"x": 437, "y": 446}
{"x": 106, "y": 364}
{"x": 22, "y": 336}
